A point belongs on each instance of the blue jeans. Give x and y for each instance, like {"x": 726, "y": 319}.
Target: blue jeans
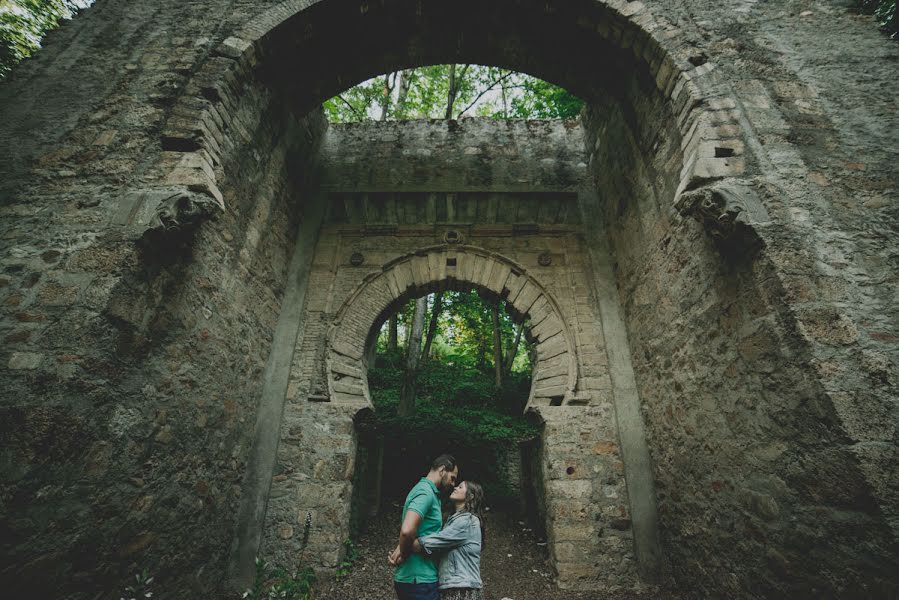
{"x": 416, "y": 591}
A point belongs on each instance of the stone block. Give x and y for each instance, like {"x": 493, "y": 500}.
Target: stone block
{"x": 568, "y": 552}
{"x": 578, "y": 489}
{"x": 24, "y": 361}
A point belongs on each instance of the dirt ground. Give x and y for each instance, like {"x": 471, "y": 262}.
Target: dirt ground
{"x": 513, "y": 566}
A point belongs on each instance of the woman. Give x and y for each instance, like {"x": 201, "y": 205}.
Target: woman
{"x": 459, "y": 545}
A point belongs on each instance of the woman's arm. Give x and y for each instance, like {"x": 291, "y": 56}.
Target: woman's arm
{"x": 456, "y": 533}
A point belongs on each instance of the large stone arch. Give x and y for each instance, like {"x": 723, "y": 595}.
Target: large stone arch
{"x": 555, "y": 374}
{"x": 637, "y": 55}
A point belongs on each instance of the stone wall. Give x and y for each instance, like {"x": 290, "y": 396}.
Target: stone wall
{"x": 140, "y": 314}
{"x": 762, "y": 474}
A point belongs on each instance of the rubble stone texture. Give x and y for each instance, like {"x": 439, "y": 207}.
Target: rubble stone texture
{"x": 175, "y": 278}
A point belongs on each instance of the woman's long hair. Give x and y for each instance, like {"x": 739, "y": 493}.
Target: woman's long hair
{"x": 474, "y": 503}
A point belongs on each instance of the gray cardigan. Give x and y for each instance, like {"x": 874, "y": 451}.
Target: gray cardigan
{"x": 459, "y": 547}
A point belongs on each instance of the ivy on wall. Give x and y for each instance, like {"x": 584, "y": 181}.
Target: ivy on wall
{"x": 23, "y": 24}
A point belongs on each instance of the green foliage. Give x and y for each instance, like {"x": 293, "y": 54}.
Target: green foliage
{"x": 458, "y": 409}
{"x": 455, "y": 402}
{"x": 480, "y": 91}
{"x": 23, "y": 23}
{"x": 465, "y": 332}
{"x": 542, "y": 100}
{"x": 276, "y": 582}
{"x": 140, "y": 590}
{"x": 350, "y": 556}
{"x": 884, "y": 12}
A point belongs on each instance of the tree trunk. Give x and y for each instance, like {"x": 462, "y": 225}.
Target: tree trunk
{"x": 512, "y": 351}
{"x": 387, "y": 95}
{"x": 497, "y": 345}
{"x": 413, "y": 350}
{"x": 404, "y": 80}
{"x": 451, "y": 92}
{"x": 392, "y": 333}
{"x": 371, "y": 354}
{"x": 432, "y": 326}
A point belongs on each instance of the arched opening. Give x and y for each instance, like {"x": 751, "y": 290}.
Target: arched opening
{"x": 455, "y": 376}
{"x": 459, "y": 402}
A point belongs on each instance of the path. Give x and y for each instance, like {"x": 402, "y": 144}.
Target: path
{"x": 513, "y": 566}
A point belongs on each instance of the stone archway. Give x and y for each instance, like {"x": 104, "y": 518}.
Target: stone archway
{"x": 650, "y": 79}
{"x": 760, "y": 360}
{"x": 361, "y": 276}
{"x": 555, "y": 373}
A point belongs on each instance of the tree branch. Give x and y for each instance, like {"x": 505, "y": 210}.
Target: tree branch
{"x": 352, "y": 108}
{"x": 479, "y": 96}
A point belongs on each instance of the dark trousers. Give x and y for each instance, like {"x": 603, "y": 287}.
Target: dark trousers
{"x": 416, "y": 591}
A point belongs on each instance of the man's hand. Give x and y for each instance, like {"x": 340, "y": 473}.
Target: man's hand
{"x": 395, "y": 558}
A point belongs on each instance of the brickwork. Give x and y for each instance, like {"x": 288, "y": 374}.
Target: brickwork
{"x": 582, "y": 466}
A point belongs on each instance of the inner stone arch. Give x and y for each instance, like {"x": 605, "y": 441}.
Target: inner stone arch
{"x": 455, "y": 267}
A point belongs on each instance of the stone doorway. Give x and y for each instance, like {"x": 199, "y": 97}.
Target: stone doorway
{"x": 459, "y": 409}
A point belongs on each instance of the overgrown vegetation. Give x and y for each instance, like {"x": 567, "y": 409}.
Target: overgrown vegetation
{"x": 276, "y": 582}
{"x": 884, "y": 11}
{"x": 453, "y": 92}
{"x": 463, "y": 404}
{"x": 458, "y": 409}
{"x": 350, "y": 555}
{"x": 23, "y": 24}
{"x": 140, "y": 589}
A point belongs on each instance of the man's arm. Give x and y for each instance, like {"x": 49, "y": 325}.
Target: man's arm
{"x": 408, "y": 534}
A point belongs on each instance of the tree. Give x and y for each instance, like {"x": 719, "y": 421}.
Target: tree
{"x": 432, "y": 325}
{"x": 497, "y": 345}
{"x": 512, "y": 351}
{"x": 453, "y": 91}
{"x": 393, "y": 333}
{"x": 413, "y": 353}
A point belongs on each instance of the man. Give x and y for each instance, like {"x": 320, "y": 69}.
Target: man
{"x": 415, "y": 577}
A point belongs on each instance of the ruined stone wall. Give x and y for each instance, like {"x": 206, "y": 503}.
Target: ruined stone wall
{"x": 743, "y": 339}
{"x": 134, "y": 329}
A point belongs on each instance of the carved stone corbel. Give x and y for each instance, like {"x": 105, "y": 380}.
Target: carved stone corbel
{"x": 156, "y": 212}
{"x": 730, "y": 211}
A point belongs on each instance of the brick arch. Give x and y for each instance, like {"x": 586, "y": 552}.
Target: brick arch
{"x": 624, "y": 40}
{"x": 555, "y": 372}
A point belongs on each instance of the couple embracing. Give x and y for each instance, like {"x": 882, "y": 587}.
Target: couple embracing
{"x": 433, "y": 560}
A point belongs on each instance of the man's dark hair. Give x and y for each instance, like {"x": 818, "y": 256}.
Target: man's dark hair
{"x": 447, "y": 461}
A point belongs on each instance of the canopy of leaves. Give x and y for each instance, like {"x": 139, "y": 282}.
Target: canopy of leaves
{"x": 464, "y": 335}
{"x": 23, "y": 24}
{"x": 439, "y": 91}
{"x": 459, "y": 407}
{"x": 458, "y": 410}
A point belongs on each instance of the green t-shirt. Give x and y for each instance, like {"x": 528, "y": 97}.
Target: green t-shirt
{"x": 424, "y": 500}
